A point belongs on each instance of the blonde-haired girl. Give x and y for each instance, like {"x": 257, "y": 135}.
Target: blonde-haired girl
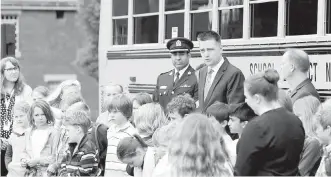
{"x": 305, "y": 108}
{"x": 323, "y": 118}
{"x": 195, "y": 149}
{"x": 147, "y": 119}
{"x": 16, "y": 141}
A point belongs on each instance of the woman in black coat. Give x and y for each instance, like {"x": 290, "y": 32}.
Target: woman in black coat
{"x": 271, "y": 143}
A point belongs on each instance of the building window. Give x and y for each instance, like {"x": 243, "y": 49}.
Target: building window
{"x": 264, "y": 19}
{"x": 301, "y": 17}
{"x": 59, "y": 14}
{"x": 174, "y": 24}
{"x": 328, "y": 16}
{"x": 9, "y": 35}
{"x": 120, "y": 22}
{"x": 53, "y": 80}
{"x": 146, "y": 21}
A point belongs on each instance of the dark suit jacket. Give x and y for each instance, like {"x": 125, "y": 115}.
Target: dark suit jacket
{"x": 305, "y": 88}
{"x": 227, "y": 86}
{"x": 270, "y": 145}
{"x": 165, "y": 90}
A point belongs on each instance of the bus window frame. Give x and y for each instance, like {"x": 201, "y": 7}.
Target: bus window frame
{"x": 246, "y": 39}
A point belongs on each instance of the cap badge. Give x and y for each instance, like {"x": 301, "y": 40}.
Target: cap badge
{"x": 178, "y": 43}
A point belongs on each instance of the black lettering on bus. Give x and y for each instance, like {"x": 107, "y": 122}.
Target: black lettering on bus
{"x": 312, "y": 73}
{"x": 259, "y": 67}
{"x": 328, "y": 71}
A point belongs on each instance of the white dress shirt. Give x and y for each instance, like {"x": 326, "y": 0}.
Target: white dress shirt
{"x": 215, "y": 69}
{"x": 181, "y": 72}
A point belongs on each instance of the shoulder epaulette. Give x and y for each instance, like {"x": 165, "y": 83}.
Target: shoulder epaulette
{"x": 168, "y": 72}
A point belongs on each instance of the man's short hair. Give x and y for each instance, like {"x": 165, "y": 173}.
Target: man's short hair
{"x": 121, "y": 103}
{"x": 299, "y": 58}
{"x": 207, "y": 35}
{"x": 183, "y": 104}
{"x": 79, "y": 118}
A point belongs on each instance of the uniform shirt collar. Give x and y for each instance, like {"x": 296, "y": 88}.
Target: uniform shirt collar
{"x": 181, "y": 72}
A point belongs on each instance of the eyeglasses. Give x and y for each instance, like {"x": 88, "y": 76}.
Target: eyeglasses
{"x": 12, "y": 69}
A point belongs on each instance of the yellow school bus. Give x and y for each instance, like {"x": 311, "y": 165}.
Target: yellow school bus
{"x": 255, "y": 33}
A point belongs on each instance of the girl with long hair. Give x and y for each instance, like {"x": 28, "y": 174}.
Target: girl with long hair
{"x": 41, "y": 139}
{"x": 195, "y": 150}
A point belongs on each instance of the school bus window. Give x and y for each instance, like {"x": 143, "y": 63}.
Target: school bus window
{"x": 301, "y": 17}
{"x": 120, "y": 31}
{"x": 231, "y": 23}
{"x": 200, "y": 22}
{"x": 145, "y": 6}
{"x": 171, "y": 5}
{"x": 120, "y": 7}
{"x": 227, "y": 3}
{"x": 264, "y": 19}
{"x": 201, "y": 4}
{"x": 328, "y": 16}
{"x": 173, "y": 21}
{"x": 146, "y": 29}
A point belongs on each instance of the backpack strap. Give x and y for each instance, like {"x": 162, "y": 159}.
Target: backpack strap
{"x": 95, "y": 131}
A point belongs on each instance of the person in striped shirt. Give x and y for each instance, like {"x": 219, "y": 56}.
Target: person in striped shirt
{"x": 120, "y": 112}
{"x": 81, "y": 156}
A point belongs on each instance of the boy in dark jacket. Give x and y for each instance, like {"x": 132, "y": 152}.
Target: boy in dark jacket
{"x": 81, "y": 156}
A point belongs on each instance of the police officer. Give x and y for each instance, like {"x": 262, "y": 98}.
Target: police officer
{"x": 181, "y": 79}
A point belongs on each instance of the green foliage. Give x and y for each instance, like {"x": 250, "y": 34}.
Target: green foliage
{"x": 89, "y": 19}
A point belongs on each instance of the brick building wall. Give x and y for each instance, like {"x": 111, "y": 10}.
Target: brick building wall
{"x": 49, "y": 45}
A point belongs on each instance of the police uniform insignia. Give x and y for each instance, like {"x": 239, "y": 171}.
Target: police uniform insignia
{"x": 178, "y": 43}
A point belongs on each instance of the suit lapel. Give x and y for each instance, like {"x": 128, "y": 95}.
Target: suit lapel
{"x": 184, "y": 77}
{"x": 217, "y": 78}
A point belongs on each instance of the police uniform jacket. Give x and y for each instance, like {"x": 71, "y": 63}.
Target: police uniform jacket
{"x": 166, "y": 89}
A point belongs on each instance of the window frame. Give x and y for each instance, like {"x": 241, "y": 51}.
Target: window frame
{"x": 246, "y": 39}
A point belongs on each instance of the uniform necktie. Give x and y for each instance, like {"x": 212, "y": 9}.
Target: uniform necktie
{"x": 177, "y": 78}
{"x": 208, "y": 82}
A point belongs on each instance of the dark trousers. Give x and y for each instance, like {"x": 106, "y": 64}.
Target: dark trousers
{"x": 3, "y": 166}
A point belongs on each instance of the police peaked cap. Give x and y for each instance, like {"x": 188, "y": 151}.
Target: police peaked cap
{"x": 180, "y": 44}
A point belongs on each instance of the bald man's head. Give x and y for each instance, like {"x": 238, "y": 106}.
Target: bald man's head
{"x": 298, "y": 58}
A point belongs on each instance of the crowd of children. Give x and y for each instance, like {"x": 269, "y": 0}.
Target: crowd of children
{"x": 53, "y": 135}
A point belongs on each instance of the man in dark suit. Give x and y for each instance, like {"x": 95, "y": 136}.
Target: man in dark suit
{"x": 295, "y": 65}
{"x": 219, "y": 80}
{"x": 181, "y": 79}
